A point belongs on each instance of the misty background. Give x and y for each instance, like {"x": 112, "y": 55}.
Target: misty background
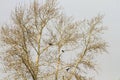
{"x": 109, "y": 64}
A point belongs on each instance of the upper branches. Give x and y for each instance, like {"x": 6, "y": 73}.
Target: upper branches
{"x": 39, "y": 38}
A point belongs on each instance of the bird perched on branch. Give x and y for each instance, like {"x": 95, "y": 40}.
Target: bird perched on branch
{"x": 63, "y": 51}
{"x": 67, "y": 69}
{"x": 50, "y": 44}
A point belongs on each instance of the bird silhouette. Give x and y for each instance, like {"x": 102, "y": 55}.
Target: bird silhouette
{"x": 67, "y": 69}
{"x": 50, "y": 44}
{"x": 62, "y": 50}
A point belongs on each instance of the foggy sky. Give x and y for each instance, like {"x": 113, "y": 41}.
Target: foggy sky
{"x": 109, "y": 63}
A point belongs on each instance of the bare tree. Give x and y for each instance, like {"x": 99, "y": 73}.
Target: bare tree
{"x": 39, "y": 38}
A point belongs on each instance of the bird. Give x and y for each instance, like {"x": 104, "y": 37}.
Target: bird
{"x": 50, "y": 44}
{"x": 67, "y": 69}
{"x": 63, "y": 51}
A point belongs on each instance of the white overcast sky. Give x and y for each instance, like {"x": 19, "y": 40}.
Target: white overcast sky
{"x": 80, "y": 9}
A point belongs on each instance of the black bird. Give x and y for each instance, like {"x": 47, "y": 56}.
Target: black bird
{"x": 63, "y": 51}
{"x": 67, "y": 69}
{"x": 50, "y": 44}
